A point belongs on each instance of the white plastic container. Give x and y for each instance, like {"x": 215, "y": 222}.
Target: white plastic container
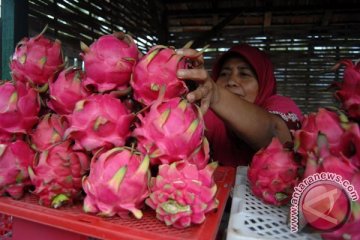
{"x": 251, "y": 219}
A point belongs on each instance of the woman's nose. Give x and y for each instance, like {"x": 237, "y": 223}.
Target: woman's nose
{"x": 232, "y": 82}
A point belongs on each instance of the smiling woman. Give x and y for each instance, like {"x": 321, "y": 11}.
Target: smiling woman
{"x": 239, "y": 78}
{"x": 245, "y": 112}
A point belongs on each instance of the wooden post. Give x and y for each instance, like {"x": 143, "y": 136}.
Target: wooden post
{"x": 14, "y": 26}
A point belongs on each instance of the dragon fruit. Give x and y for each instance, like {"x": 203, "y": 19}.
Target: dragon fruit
{"x": 350, "y": 230}
{"x": 273, "y": 174}
{"x": 325, "y": 121}
{"x": 57, "y": 174}
{"x": 15, "y": 158}
{"x": 19, "y": 107}
{"x": 5, "y": 136}
{"x": 157, "y": 69}
{"x": 49, "y": 131}
{"x": 109, "y": 62}
{"x": 349, "y": 92}
{"x": 117, "y": 184}
{"x": 172, "y": 131}
{"x": 66, "y": 90}
{"x": 350, "y": 143}
{"x": 181, "y": 194}
{"x": 36, "y": 60}
{"x": 99, "y": 121}
{"x": 342, "y": 139}
{"x": 321, "y": 160}
{"x": 329, "y": 142}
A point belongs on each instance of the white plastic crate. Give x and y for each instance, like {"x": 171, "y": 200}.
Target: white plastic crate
{"x": 251, "y": 219}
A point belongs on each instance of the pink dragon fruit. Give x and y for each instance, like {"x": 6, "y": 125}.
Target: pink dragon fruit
{"x": 117, "y": 184}
{"x": 99, "y": 121}
{"x": 109, "y": 62}
{"x": 49, "y": 131}
{"x": 347, "y": 232}
{"x": 181, "y": 194}
{"x": 5, "y": 136}
{"x": 36, "y": 60}
{"x": 329, "y": 142}
{"x": 66, "y": 90}
{"x": 273, "y": 174}
{"x": 57, "y": 175}
{"x": 321, "y": 160}
{"x": 157, "y": 69}
{"x": 350, "y": 143}
{"x": 15, "y": 158}
{"x": 341, "y": 135}
{"x": 349, "y": 92}
{"x": 325, "y": 121}
{"x": 350, "y": 230}
{"x": 19, "y": 107}
{"x": 173, "y": 131}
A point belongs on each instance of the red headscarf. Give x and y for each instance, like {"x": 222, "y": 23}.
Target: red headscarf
{"x": 261, "y": 65}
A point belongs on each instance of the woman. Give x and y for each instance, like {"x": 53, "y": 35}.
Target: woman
{"x": 245, "y": 111}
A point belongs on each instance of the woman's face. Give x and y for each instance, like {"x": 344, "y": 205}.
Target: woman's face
{"x": 237, "y": 76}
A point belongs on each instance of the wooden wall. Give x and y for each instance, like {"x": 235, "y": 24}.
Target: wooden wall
{"x": 73, "y": 21}
{"x": 302, "y": 54}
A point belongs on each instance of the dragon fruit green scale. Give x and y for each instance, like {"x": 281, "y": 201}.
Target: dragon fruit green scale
{"x": 117, "y": 184}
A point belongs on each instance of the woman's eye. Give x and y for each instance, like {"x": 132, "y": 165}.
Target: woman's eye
{"x": 244, "y": 74}
{"x": 222, "y": 74}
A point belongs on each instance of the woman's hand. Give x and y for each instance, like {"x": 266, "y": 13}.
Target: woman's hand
{"x": 206, "y": 92}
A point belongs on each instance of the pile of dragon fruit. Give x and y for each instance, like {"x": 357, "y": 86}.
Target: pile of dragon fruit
{"x": 117, "y": 136}
{"x": 328, "y": 141}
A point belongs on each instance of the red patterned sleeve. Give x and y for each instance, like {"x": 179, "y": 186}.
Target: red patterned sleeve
{"x": 287, "y": 109}
{"x": 291, "y": 119}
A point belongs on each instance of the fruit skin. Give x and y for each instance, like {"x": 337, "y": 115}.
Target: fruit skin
{"x": 117, "y": 184}
{"x": 328, "y": 141}
{"x": 49, "y": 131}
{"x": 181, "y": 194}
{"x": 19, "y": 107}
{"x": 57, "y": 174}
{"x": 109, "y": 62}
{"x": 349, "y": 89}
{"x": 350, "y": 230}
{"x": 15, "y": 158}
{"x": 36, "y": 60}
{"x": 155, "y": 70}
{"x": 66, "y": 90}
{"x": 173, "y": 130}
{"x": 99, "y": 121}
{"x": 273, "y": 174}
{"x": 325, "y": 121}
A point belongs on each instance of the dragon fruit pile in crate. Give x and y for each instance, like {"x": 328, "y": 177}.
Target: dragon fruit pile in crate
{"x": 69, "y": 135}
{"x": 328, "y": 141}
